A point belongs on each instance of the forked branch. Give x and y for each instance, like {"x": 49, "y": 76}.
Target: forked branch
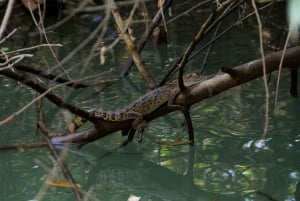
{"x": 195, "y": 93}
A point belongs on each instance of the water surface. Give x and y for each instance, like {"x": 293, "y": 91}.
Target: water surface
{"x": 230, "y": 159}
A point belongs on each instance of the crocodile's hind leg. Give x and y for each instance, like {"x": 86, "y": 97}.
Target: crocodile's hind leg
{"x": 139, "y": 124}
{"x": 141, "y": 129}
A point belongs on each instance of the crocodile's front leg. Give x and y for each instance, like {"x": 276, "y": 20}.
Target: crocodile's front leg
{"x": 141, "y": 128}
{"x": 187, "y": 116}
{"x": 139, "y": 124}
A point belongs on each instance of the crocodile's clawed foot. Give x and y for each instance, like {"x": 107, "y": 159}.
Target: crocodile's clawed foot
{"x": 140, "y": 131}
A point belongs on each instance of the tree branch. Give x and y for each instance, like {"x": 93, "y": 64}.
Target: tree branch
{"x": 142, "y": 42}
{"x": 132, "y": 48}
{"x": 194, "y": 93}
{"x": 47, "y": 92}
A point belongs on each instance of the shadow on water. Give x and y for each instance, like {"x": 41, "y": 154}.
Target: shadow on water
{"x": 128, "y": 173}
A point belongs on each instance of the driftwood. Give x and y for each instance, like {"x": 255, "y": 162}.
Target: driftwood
{"x": 195, "y": 93}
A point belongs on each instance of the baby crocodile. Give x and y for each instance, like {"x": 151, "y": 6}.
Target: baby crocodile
{"x": 139, "y": 108}
{"x": 142, "y": 106}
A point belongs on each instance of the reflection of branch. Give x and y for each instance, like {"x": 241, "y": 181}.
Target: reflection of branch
{"x": 195, "y": 93}
{"x": 262, "y": 53}
{"x": 132, "y": 48}
{"x": 67, "y": 174}
{"x": 141, "y": 43}
{"x": 263, "y": 194}
{"x": 23, "y": 146}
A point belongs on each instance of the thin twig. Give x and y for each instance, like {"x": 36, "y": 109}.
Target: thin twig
{"x": 196, "y": 40}
{"x": 51, "y": 173}
{"x": 99, "y": 41}
{"x": 98, "y": 8}
{"x": 186, "y": 12}
{"x": 264, "y": 68}
{"x": 68, "y": 17}
{"x": 30, "y": 48}
{"x": 206, "y": 31}
{"x": 9, "y": 35}
{"x": 6, "y": 17}
{"x": 80, "y": 46}
{"x": 141, "y": 43}
{"x": 67, "y": 174}
{"x": 44, "y": 92}
{"x": 209, "y": 48}
{"x": 46, "y": 74}
{"x": 132, "y": 48}
{"x": 41, "y": 28}
{"x": 8, "y": 62}
{"x": 280, "y": 66}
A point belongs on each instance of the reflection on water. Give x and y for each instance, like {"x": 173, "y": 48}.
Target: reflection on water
{"x": 230, "y": 161}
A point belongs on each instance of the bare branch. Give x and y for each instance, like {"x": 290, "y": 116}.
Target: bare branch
{"x": 194, "y": 93}
{"x": 66, "y": 172}
{"x": 132, "y": 48}
{"x": 6, "y": 17}
{"x": 262, "y": 53}
{"x": 44, "y": 92}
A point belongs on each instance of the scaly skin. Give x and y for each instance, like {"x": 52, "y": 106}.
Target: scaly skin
{"x": 142, "y": 106}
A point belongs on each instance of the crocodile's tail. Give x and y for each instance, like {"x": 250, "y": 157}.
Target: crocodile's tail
{"x": 121, "y": 115}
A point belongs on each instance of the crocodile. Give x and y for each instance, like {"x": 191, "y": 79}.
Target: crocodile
{"x": 139, "y": 108}
{"x": 142, "y": 106}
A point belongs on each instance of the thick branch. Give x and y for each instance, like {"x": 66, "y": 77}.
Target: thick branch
{"x": 47, "y": 75}
{"x": 29, "y": 81}
{"x": 243, "y": 73}
{"x": 195, "y": 93}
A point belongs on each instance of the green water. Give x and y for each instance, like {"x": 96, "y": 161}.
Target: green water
{"x": 230, "y": 160}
